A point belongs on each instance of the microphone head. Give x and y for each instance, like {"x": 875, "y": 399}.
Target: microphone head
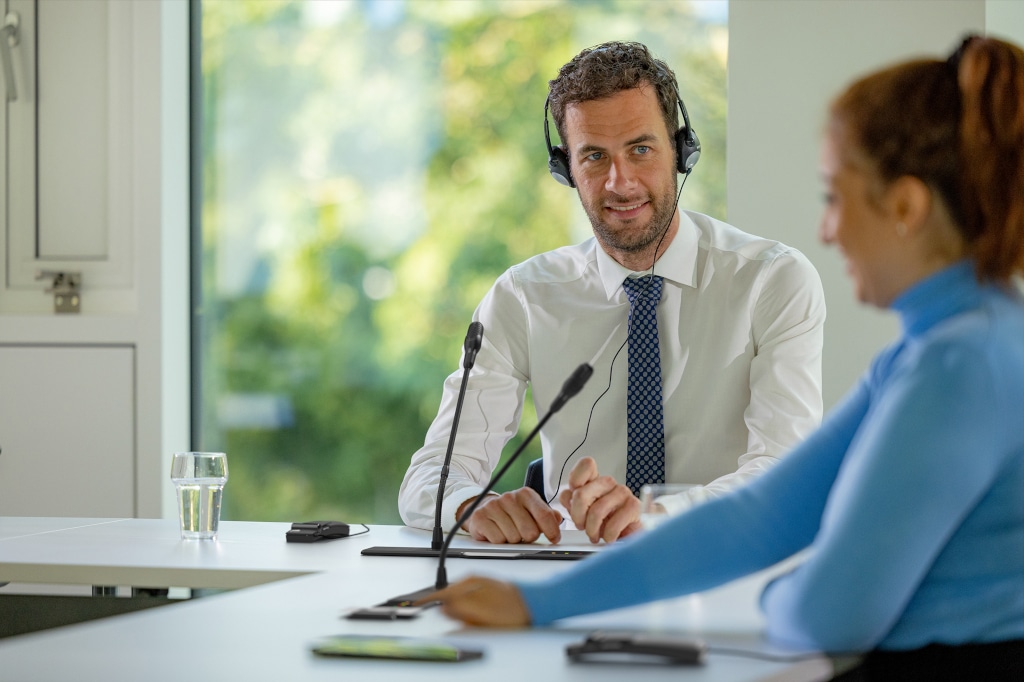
{"x": 474, "y": 339}
{"x": 573, "y": 385}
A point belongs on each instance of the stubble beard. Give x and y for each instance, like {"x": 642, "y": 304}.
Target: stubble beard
{"x": 630, "y": 238}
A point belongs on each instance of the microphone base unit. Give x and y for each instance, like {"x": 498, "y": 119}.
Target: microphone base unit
{"x": 410, "y": 598}
{"x": 550, "y": 554}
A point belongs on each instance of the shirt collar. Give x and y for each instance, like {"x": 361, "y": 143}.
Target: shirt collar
{"x": 937, "y": 297}
{"x": 678, "y": 264}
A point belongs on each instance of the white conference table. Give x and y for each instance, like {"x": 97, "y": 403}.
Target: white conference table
{"x": 285, "y": 596}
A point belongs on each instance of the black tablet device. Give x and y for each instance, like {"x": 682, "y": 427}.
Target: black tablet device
{"x": 633, "y": 647}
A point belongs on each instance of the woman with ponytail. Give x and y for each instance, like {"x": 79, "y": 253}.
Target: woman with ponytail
{"x": 910, "y": 497}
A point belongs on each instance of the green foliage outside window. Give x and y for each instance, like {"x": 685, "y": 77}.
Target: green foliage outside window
{"x": 369, "y": 168}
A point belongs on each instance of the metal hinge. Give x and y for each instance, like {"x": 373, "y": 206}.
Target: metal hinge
{"x": 66, "y": 288}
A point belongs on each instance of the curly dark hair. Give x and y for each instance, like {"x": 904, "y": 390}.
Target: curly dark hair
{"x": 609, "y": 68}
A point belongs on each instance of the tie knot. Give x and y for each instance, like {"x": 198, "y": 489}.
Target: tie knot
{"x": 648, "y": 288}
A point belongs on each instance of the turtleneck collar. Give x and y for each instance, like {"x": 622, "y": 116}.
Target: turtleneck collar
{"x": 937, "y": 297}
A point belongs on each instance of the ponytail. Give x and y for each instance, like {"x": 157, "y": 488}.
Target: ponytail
{"x": 990, "y": 76}
{"x": 958, "y": 125}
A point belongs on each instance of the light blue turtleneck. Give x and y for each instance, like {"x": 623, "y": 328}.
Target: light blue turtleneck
{"x": 910, "y": 498}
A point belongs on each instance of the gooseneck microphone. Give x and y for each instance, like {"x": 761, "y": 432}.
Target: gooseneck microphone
{"x": 471, "y": 346}
{"x": 571, "y": 387}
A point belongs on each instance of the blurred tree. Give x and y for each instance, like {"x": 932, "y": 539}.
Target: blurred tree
{"x": 369, "y": 168}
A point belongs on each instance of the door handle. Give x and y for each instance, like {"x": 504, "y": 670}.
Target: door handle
{"x": 10, "y": 36}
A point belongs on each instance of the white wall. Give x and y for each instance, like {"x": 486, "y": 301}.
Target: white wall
{"x": 1005, "y": 19}
{"x": 787, "y": 59}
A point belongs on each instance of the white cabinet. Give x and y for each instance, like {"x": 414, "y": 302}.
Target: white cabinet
{"x": 94, "y": 178}
{"x": 67, "y": 431}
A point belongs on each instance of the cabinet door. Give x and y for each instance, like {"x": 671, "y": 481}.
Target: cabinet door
{"x": 66, "y": 183}
{"x": 67, "y": 431}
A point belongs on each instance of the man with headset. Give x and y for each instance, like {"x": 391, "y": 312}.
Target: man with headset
{"x": 732, "y": 323}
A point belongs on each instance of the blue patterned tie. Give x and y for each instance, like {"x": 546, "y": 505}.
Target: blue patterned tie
{"x": 645, "y": 420}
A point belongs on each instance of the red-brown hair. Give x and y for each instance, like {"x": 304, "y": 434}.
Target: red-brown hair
{"x": 958, "y": 125}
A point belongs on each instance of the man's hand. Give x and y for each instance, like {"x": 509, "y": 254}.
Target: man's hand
{"x": 519, "y": 516}
{"x": 604, "y": 508}
{"x": 482, "y": 601}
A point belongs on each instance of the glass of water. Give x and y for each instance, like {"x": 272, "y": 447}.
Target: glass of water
{"x": 199, "y": 479}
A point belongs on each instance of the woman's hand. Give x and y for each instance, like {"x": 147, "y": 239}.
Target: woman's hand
{"x": 482, "y": 601}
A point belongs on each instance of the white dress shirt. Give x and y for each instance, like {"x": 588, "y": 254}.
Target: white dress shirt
{"x": 740, "y": 328}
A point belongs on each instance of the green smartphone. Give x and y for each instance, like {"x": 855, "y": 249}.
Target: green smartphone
{"x": 399, "y": 648}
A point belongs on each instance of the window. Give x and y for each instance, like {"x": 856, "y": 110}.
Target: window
{"x": 368, "y": 169}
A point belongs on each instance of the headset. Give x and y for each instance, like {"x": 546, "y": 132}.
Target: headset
{"x": 687, "y": 148}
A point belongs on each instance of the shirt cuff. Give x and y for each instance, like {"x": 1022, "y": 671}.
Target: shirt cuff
{"x": 680, "y": 502}
{"x": 451, "y": 505}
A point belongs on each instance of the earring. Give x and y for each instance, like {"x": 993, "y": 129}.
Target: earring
{"x": 901, "y": 229}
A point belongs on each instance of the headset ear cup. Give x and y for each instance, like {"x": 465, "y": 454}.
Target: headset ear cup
{"x": 687, "y": 150}
{"x": 558, "y": 165}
